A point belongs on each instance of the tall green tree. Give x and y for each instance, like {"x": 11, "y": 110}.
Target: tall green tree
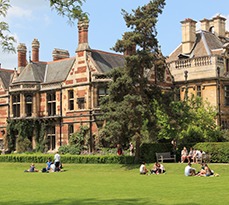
{"x": 127, "y": 109}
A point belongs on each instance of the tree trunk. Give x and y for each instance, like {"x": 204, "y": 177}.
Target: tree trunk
{"x": 137, "y": 152}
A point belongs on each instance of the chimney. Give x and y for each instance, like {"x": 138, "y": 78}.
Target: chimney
{"x": 21, "y": 49}
{"x": 188, "y": 35}
{"x": 219, "y": 26}
{"x": 83, "y": 34}
{"x": 205, "y": 25}
{"x": 227, "y": 34}
{"x": 58, "y": 54}
{"x": 35, "y": 50}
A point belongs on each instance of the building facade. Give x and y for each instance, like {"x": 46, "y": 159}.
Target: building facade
{"x": 63, "y": 93}
{"x": 200, "y": 64}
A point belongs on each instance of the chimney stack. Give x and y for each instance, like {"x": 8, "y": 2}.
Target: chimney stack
{"x": 58, "y": 54}
{"x": 83, "y": 34}
{"x": 219, "y": 26}
{"x": 21, "y": 49}
{"x": 35, "y": 50}
{"x": 188, "y": 35}
{"x": 205, "y": 25}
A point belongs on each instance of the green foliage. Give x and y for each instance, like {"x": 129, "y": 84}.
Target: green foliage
{"x": 6, "y": 41}
{"x": 187, "y": 121}
{"x": 20, "y": 132}
{"x": 69, "y": 149}
{"x": 219, "y": 151}
{"x": 83, "y": 159}
{"x": 127, "y": 109}
{"x": 72, "y": 9}
{"x": 148, "y": 150}
{"x": 77, "y": 142}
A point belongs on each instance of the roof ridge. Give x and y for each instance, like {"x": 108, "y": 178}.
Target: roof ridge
{"x": 106, "y": 52}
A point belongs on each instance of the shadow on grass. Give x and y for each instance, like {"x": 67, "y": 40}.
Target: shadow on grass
{"x": 92, "y": 201}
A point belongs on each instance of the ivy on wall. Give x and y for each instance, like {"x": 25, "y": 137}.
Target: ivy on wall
{"x": 20, "y": 132}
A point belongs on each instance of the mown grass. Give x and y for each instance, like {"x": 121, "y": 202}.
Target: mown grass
{"x": 111, "y": 184}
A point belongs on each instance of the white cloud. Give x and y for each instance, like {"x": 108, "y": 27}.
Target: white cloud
{"x": 19, "y": 12}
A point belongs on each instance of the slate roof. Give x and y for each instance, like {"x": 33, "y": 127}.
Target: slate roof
{"x": 106, "y": 61}
{"x": 206, "y": 43}
{"x": 57, "y": 71}
{"x": 40, "y": 72}
{"x": 5, "y": 76}
{"x": 33, "y": 72}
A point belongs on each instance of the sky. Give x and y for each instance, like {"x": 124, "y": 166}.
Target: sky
{"x": 29, "y": 19}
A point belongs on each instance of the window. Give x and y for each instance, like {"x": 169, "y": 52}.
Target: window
{"x": 225, "y": 124}
{"x": 70, "y": 130}
{"x": 51, "y": 104}
{"x": 28, "y": 105}
{"x": 226, "y": 95}
{"x": 16, "y": 105}
{"x": 51, "y": 136}
{"x": 81, "y": 103}
{"x": 71, "y": 100}
{"x": 198, "y": 91}
{"x": 102, "y": 91}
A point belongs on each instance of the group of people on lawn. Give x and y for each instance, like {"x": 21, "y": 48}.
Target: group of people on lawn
{"x": 204, "y": 171}
{"x": 192, "y": 155}
{"x": 51, "y": 166}
{"x": 156, "y": 169}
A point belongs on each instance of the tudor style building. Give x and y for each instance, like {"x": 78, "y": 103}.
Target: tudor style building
{"x": 200, "y": 64}
{"x": 63, "y": 93}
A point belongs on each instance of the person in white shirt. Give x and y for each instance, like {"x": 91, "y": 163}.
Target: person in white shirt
{"x": 189, "y": 171}
{"x": 143, "y": 169}
{"x": 57, "y": 160}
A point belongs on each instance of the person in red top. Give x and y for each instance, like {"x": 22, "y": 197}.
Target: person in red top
{"x": 119, "y": 150}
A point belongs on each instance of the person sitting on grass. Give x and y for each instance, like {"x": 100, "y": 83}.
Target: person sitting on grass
{"x": 143, "y": 169}
{"x": 205, "y": 171}
{"x": 32, "y": 168}
{"x": 157, "y": 168}
{"x": 48, "y": 164}
{"x": 189, "y": 171}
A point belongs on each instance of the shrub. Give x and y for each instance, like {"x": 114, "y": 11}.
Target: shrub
{"x": 219, "y": 151}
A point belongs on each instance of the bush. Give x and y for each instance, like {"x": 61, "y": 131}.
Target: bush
{"x": 84, "y": 159}
{"x": 219, "y": 151}
{"x": 69, "y": 149}
{"x": 148, "y": 150}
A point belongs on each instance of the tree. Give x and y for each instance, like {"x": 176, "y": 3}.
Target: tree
{"x": 127, "y": 109}
{"x": 69, "y": 8}
{"x": 188, "y": 121}
{"x": 6, "y": 41}
{"x": 72, "y": 9}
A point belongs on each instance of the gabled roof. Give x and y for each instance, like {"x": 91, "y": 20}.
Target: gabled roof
{"x": 206, "y": 43}
{"x": 57, "y": 71}
{"x": 40, "y": 72}
{"x": 106, "y": 61}
{"x": 5, "y": 76}
{"x": 33, "y": 72}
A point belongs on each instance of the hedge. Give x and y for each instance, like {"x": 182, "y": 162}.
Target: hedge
{"x": 84, "y": 159}
{"x": 219, "y": 151}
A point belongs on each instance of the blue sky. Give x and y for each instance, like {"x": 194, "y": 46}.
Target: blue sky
{"x": 29, "y": 19}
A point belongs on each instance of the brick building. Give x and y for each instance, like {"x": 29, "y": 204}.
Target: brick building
{"x": 64, "y": 93}
{"x": 200, "y": 64}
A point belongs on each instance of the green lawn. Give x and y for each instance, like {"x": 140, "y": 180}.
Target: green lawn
{"x": 111, "y": 184}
